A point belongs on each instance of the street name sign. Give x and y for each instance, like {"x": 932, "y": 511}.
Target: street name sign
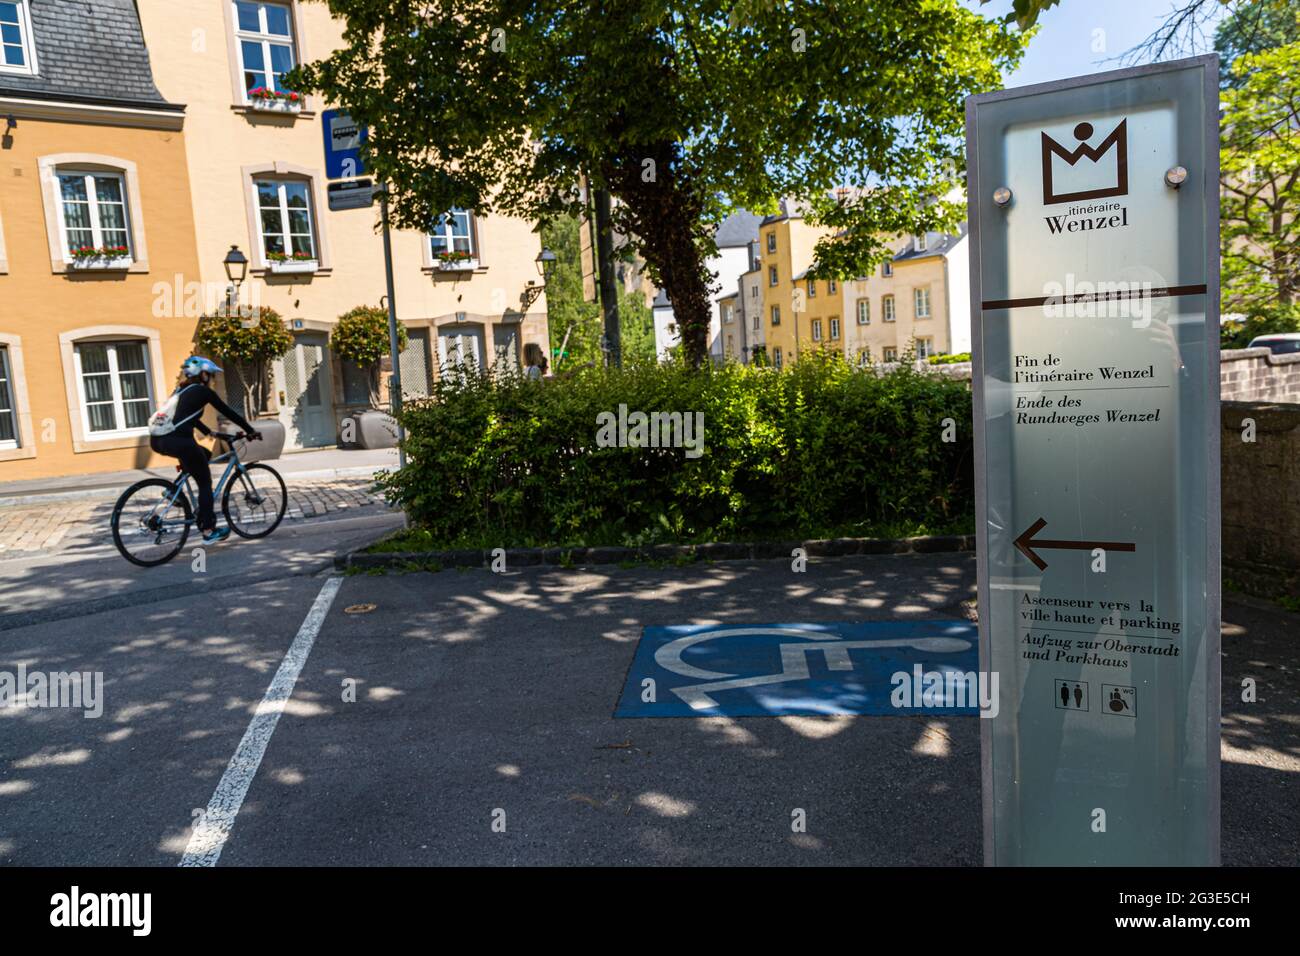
{"x": 1093, "y": 207}
{"x": 351, "y": 194}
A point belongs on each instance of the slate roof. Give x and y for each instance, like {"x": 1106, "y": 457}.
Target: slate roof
{"x": 936, "y": 245}
{"x": 90, "y": 51}
{"x": 738, "y": 229}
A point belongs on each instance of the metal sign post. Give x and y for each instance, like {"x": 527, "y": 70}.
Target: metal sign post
{"x": 395, "y": 380}
{"x": 1093, "y": 207}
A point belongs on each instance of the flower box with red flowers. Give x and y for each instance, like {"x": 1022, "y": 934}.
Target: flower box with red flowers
{"x": 455, "y": 261}
{"x": 101, "y": 257}
{"x": 279, "y": 262}
{"x": 274, "y": 101}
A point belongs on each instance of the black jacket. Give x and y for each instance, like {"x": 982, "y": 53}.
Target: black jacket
{"x": 194, "y": 398}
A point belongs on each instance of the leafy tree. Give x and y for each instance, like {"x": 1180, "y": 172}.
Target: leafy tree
{"x": 575, "y": 323}
{"x": 1254, "y": 28}
{"x": 1260, "y": 175}
{"x": 682, "y": 109}
{"x": 250, "y": 346}
{"x": 361, "y": 336}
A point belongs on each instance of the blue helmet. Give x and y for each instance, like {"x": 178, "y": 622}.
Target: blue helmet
{"x": 196, "y": 364}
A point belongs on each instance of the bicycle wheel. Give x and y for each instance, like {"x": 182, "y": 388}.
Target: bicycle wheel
{"x": 149, "y": 528}
{"x": 254, "y": 502}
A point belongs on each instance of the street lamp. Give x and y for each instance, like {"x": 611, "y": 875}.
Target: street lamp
{"x": 236, "y": 264}
{"x": 546, "y": 260}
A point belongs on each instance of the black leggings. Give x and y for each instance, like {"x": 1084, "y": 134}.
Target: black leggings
{"x": 194, "y": 459}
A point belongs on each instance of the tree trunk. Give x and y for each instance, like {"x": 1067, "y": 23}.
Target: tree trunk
{"x": 661, "y": 209}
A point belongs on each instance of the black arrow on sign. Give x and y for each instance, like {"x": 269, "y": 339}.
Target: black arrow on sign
{"x": 1026, "y": 544}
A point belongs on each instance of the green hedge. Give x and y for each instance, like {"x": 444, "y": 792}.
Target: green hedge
{"x": 818, "y": 449}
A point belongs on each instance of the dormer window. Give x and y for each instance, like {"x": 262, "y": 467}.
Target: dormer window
{"x": 17, "y": 52}
{"x": 921, "y": 244}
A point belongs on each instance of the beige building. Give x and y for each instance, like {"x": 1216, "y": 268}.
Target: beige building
{"x": 918, "y": 300}
{"x": 468, "y": 291}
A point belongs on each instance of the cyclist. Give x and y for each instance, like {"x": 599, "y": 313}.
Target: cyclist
{"x": 186, "y": 411}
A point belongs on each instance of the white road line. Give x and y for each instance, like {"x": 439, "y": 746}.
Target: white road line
{"x": 213, "y": 829}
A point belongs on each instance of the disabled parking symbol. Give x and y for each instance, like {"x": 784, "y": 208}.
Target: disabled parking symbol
{"x": 796, "y": 669}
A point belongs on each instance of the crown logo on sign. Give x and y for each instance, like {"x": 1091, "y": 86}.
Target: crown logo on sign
{"x": 1117, "y": 142}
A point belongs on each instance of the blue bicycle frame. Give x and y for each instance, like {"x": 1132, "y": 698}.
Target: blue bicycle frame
{"x": 233, "y": 464}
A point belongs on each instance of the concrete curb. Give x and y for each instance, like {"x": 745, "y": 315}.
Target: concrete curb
{"x": 716, "y": 551}
{"x": 14, "y": 501}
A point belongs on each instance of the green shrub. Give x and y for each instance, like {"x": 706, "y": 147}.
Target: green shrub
{"x": 251, "y": 344}
{"x": 1266, "y": 321}
{"x": 949, "y": 359}
{"x": 361, "y": 336}
{"x": 818, "y": 449}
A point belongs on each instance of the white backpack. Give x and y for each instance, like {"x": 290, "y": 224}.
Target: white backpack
{"x": 161, "y": 423}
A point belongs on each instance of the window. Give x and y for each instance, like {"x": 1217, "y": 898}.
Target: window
{"x": 812, "y": 289}
{"x": 284, "y": 212}
{"x": 92, "y": 212}
{"x": 771, "y": 242}
{"x": 16, "y": 48}
{"x": 887, "y": 269}
{"x": 831, "y": 286}
{"x": 753, "y": 291}
{"x": 864, "y": 311}
{"x": 924, "y": 348}
{"x": 264, "y": 33}
{"x": 835, "y": 329}
{"x": 452, "y": 233}
{"x": 891, "y": 354}
{"x": 921, "y": 298}
{"x": 776, "y": 356}
{"x": 113, "y": 380}
{"x": 771, "y": 275}
{"x": 776, "y": 315}
{"x": 731, "y": 344}
{"x": 756, "y": 321}
{"x": 921, "y": 245}
{"x": 726, "y": 314}
{"x": 817, "y": 330}
{"x": 887, "y": 308}
{"x": 8, "y": 417}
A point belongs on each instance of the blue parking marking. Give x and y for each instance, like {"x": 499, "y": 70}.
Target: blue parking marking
{"x": 770, "y": 670}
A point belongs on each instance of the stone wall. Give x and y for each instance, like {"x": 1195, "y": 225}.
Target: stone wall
{"x": 1256, "y": 375}
{"x": 1261, "y": 497}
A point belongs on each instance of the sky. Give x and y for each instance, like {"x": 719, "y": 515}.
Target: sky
{"x": 1080, "y": 37}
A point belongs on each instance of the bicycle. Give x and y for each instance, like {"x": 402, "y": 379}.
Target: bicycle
{"x": 151, "y": 520}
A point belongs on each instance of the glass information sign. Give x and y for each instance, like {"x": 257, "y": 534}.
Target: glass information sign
{"x": 1093, "y": 206}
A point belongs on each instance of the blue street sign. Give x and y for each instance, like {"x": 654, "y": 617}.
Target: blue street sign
{"x": 343, "y": 140}
{"x": 900, "y": 668}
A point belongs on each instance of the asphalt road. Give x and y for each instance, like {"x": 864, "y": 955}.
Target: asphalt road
{"x": 482, "y": 730}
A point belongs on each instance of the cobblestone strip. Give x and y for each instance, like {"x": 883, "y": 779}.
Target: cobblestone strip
{"x": 59, "y": 525}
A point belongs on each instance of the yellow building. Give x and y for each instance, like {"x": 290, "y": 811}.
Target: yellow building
{"x": 95, "y": 226}
{"x": 919, "y": 301}
{"x": 786, "y": 243}
{"x": 256, "y": 158}
{"x": 823, "y": 309}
